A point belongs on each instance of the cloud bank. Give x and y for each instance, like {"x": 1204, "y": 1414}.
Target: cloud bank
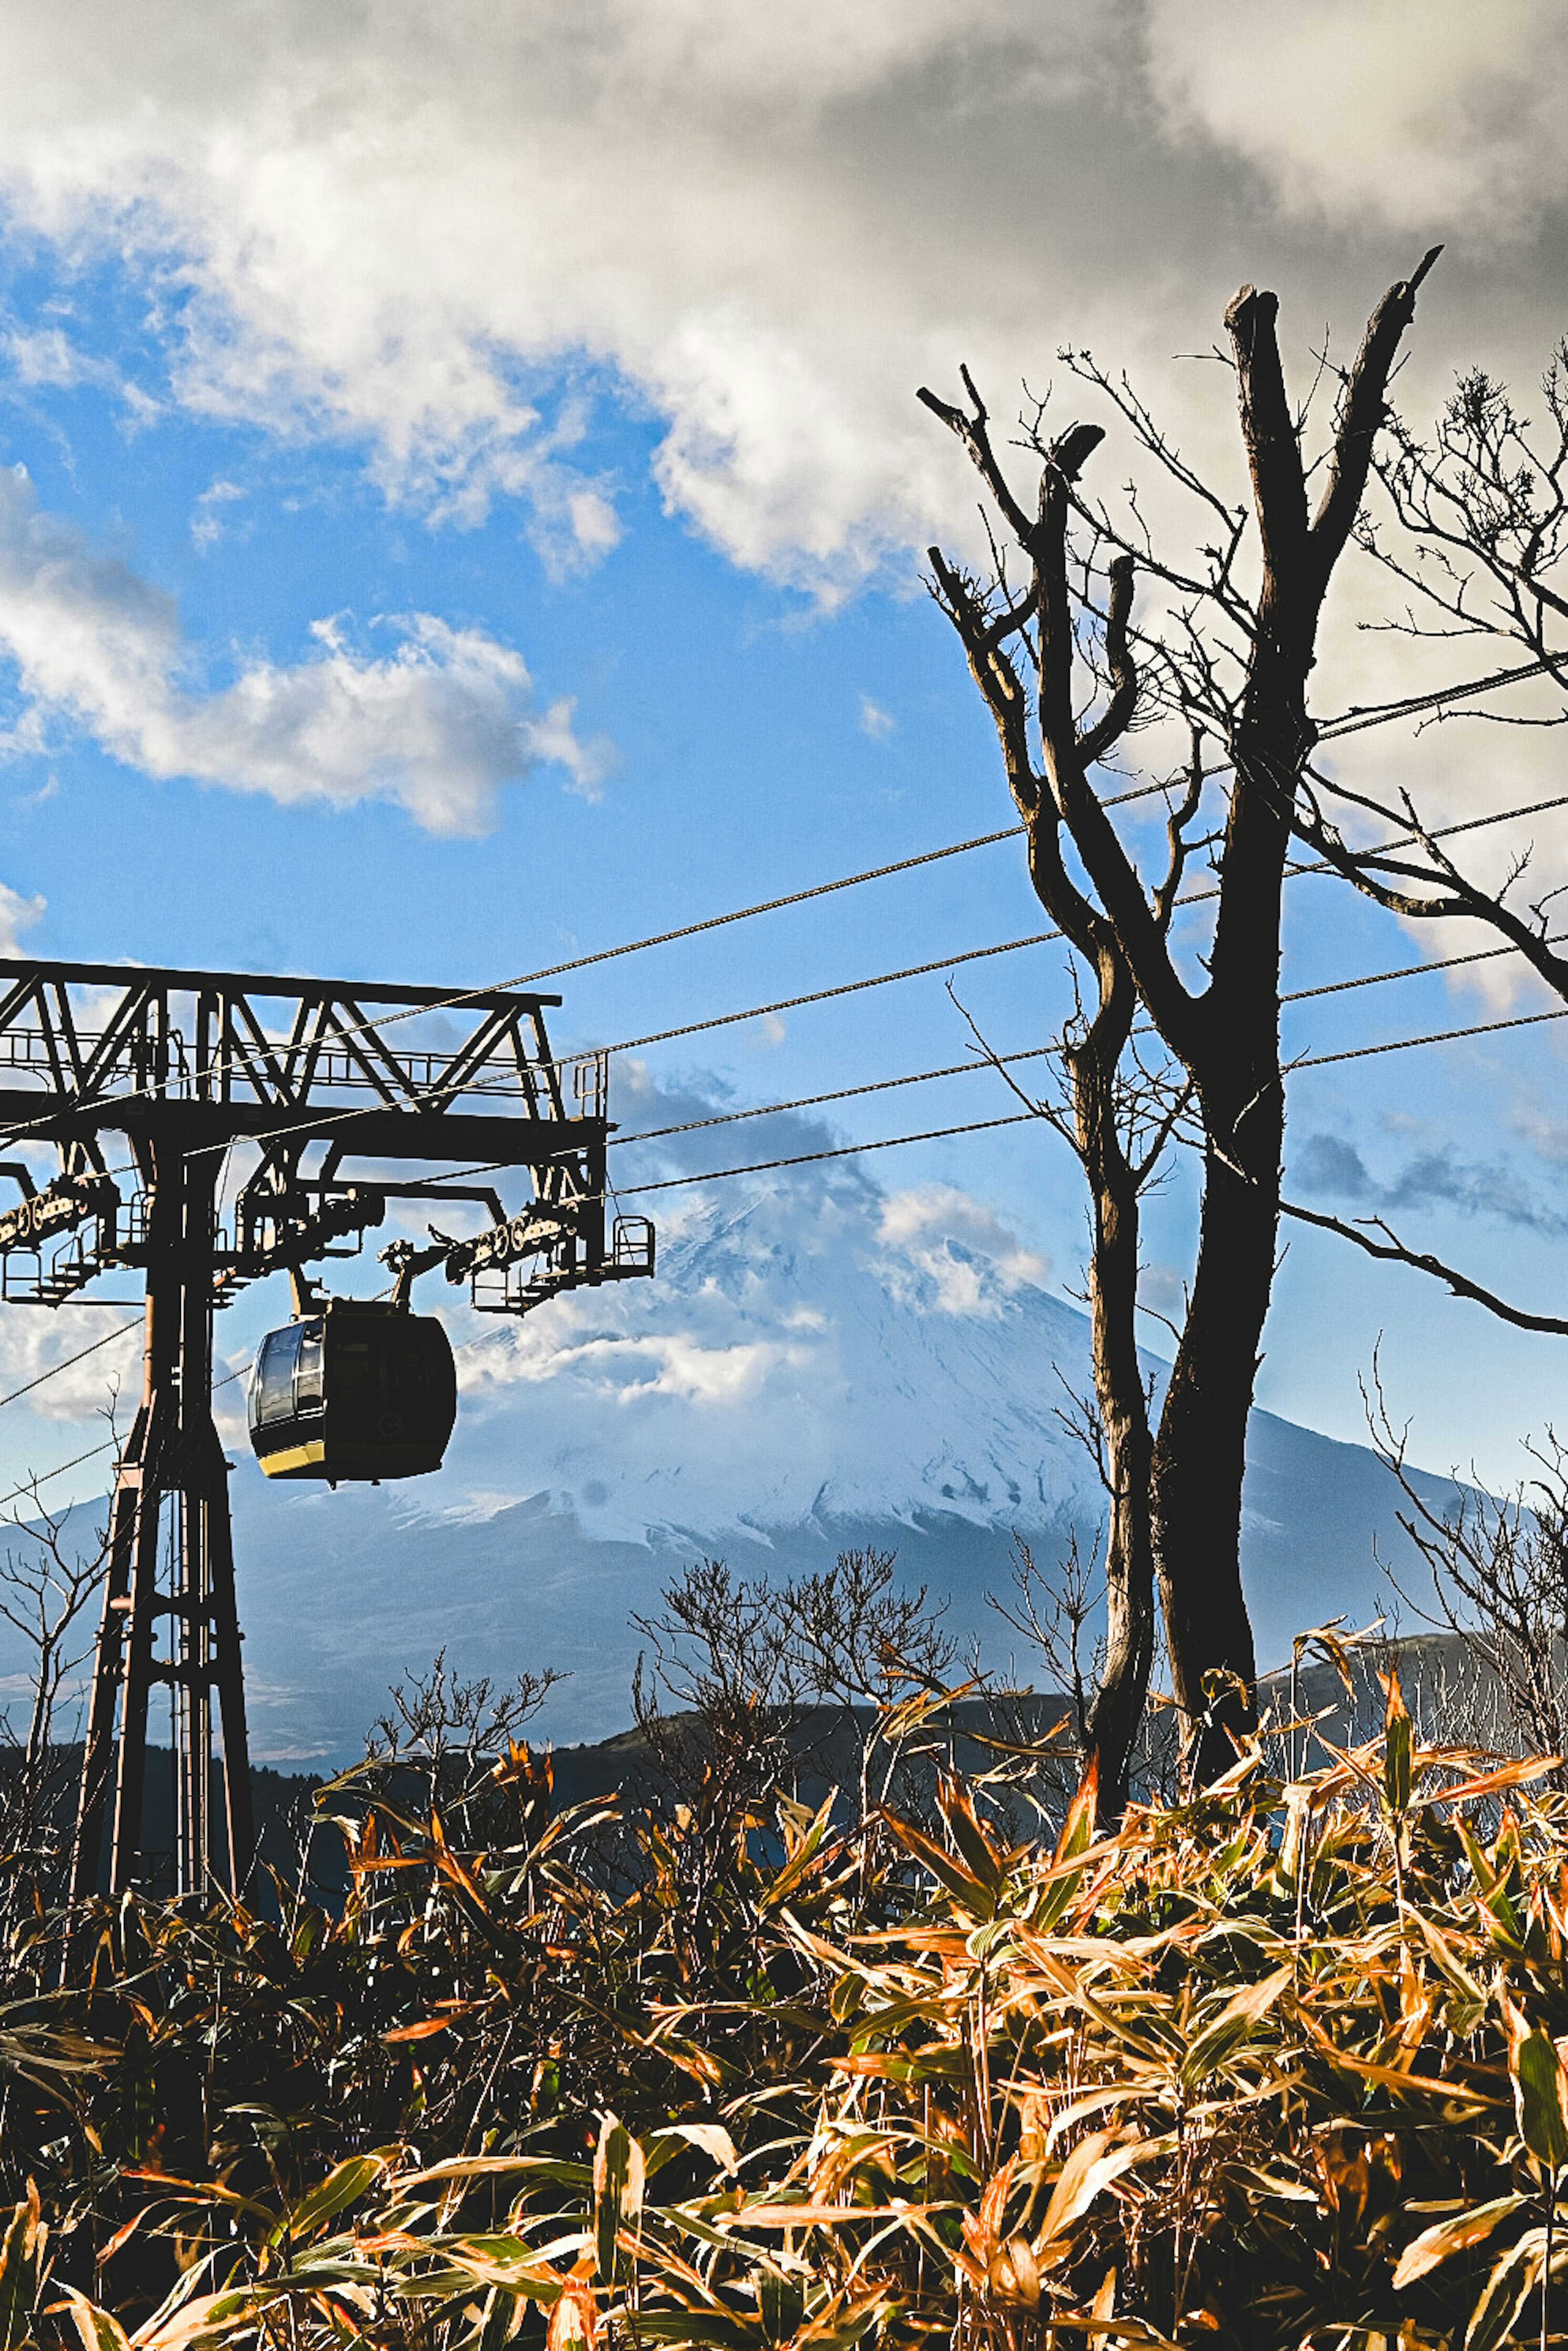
{"x": 1423, "y": 113}
{"x": 768, "y": 226}
{"x": 442, "y": 235}
{"x": 1329, "y": 1166}
{"x": 437, "y": 724}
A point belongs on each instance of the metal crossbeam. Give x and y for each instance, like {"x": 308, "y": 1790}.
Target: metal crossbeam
{"x": 183, "y": 1064}
{"x": 97, "y": 1034}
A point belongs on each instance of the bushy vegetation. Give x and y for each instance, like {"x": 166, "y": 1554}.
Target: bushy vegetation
{"x": 1276, "y": 2067}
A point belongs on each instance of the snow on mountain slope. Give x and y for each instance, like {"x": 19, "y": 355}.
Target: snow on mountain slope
{"x": 817, "y": 1364}
{"x": 829, "y": 1352}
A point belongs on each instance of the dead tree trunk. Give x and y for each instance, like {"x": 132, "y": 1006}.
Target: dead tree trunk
{"x": 1115, "y": 1183}
{"x": 1226, "y": 1034}
{"x": 1100, "y": 1109}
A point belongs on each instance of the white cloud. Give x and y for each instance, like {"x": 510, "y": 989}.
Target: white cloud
{"x": 1537, "y": 1123}
{"x": 786, "y": 1323}
{"x": 206, "y": 526}
{"x": 1430, "y": 113}
{"x": 761, "y": 229}
{"x": 772, "y": 224}
{"x": 17, "y": 914}
{"x": 876, "y": 722}
{"x": 32, "y": 1345}
{"x": 953, "y": 1253}
{"x": 631, "y": 1370}
{"x": 444, "y": 234}
{"x": 44, "y": 357}
{"x": 438, "y": 723}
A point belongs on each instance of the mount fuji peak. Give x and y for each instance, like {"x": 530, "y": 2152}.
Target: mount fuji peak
{"x": 827, "y": 1355}
{"x": 818, "y": 1363}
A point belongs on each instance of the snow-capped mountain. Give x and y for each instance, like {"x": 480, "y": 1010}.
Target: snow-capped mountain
{"x": 817, "y": 1364}
{"x": 824, "y": 1352}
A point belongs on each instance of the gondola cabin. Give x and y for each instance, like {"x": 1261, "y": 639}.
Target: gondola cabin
{"x": 355, "y": 1389}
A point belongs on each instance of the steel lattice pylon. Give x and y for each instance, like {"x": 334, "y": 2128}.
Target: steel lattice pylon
{"x": 185, "y": 1065}
{"x": 172, "y": 1454}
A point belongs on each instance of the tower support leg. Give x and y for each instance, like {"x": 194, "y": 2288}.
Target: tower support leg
{"x": 180, "y": 1631}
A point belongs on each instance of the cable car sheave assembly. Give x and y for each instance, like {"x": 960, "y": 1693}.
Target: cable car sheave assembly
{"x": 309, "y": 1074}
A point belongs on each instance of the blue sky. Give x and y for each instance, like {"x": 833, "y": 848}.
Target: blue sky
{"x": 465, "y": 506}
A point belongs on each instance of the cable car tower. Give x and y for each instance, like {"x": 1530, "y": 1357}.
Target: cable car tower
{"x": 324, "y": 1085}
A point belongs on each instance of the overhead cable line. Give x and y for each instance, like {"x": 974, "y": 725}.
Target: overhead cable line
{"x": 1030, "y": 1053}
{"x": 797, "y": 897}
{"x": 45, "y": 1476}
{"x": 841, "y": 1093}
{"x": 821, "y": 995}
{"x": 1036, "y": 1052}
{"x": 842, "y": 1151}
{"x": 1379, "y": 713}
{"x": 1035, "y": 939}
{"x": 1436, "y": 1037}
{"x": 110, "y": 1444}
{"x": 976, "y": 1126}
{"x": 1351, "y": 722}
{"x": 332, "y": 1120}
{"x": 685, "y": 931}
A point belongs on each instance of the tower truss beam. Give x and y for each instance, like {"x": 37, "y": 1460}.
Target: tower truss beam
{"x": 185, "y": 1065}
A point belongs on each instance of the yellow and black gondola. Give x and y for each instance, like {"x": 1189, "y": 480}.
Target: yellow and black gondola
{"x": 353, "y": 1390}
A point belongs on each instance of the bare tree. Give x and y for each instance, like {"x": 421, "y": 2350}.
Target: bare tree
{"x": 735, "y": 1663}
{"x": 1235, "y": 662}
{"x": 46, "y": 1586}
{"x": 1498, "y": 1572}
{"x": 864, "y": 1645}
{"x": 750, "y": 1687}
{"x": 713, "y": 1693}
{"x": 1476, "y": 535}
{"x": 449, "y": 1742}
{"x": 1118, "y": 1116}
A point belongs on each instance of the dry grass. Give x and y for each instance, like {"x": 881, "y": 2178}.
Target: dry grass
{"x": 1279, "y": 2067}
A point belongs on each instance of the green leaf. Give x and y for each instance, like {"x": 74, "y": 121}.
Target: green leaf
{"x": 1077, "y": 1837}
{"x": 782, "y": 2302}
{"x": 342, "y": 2186}
{"x": 964, "y": 1826}
{"x": 1505, "y": 2293}
{"x": 800, "y": 1861}
{"x": 21, "y": 2271}
{"x": 1541, "y": 2097}
{"x": 709, "y": 2327}
{"x": 484, "y": 2167}
{"x": 1225, "y": 2034}
{"x": 977, "y": 1899}
{"x": 99, "y": 2329}
{"x": 1455, "y": 2235}
{"x": 617, "y": 2190}
{"x": 1398, "y": 1743}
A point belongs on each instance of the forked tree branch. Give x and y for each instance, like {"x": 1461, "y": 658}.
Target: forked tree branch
{"x": 1362, "y": 417}
{"x": 1393, "y": 1252}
